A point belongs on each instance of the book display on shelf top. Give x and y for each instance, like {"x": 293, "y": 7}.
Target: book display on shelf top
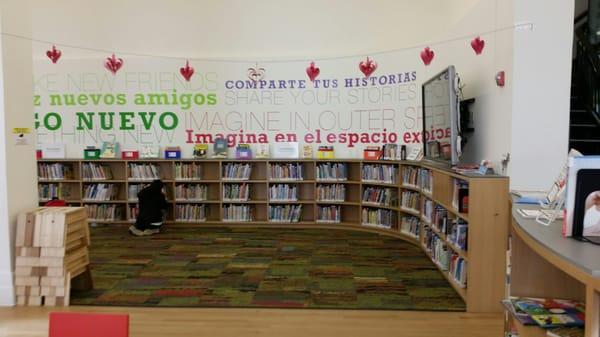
{"x": 352, "y": 194}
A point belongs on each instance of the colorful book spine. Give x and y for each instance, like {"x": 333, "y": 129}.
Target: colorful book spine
{"x": 329, "y": 214}
{"x": 332, "y": 172}
{"x": 285, "y": 213}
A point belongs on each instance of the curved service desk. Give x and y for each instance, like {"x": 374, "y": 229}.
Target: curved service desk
{"x": 545, "y": 264}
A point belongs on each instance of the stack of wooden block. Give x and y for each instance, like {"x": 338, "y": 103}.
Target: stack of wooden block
{"x": 51, "y": 248}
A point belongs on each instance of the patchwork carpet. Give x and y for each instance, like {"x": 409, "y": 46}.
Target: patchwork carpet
{"x": 259, "y": 267}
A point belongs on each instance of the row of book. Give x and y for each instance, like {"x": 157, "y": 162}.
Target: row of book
{"x": 285, "y": 213}
{"x": 410, "y": 176}
{"x": 92, "y": 171}
{"x": 188, "y": 171}
{"x": 378, "y": 217}
{"x": 410, "y": 225}
{"x": 329, "y": 214}
{"x": 458, "y": 270}
{"x": 100, "y": 192}
{"x": 460, "y": 195}
{"x": 104, "y": 212}
{"x": 133, "y": 213}
{"x": 439, "y": 219}
{"x": 437, "y": 248}
{"x": 191, "y": 212}
{"x": 133, "y": 190}
{"x": 289, "y": 171}
{"x": 236, "y": 192}
{"x": 380, "y": 173}
{"x": 332, "y": 171}
{"x": 49, "y": 191}
{"x": 426, "y": 180}
{"x": 380, "y": 196}
{"x": 195, "y": 192}
{"x": 283, "y": 192}
{"x": 458, "y": 234}
{"x": 333, "y": 192}
{"x": 410, "y": 200}
{"x": 237, "y": 213}
{"x": 237, "y": 171}
{"x": 55, "y": 171}
{"x": 144, "y": 171}
{"x": 427, "y": 209}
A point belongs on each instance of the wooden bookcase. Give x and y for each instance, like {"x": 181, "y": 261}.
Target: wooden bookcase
{"x": 487, "y": 216}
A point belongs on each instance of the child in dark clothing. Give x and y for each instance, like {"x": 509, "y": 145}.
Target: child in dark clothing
{"x": 152, "y": 205}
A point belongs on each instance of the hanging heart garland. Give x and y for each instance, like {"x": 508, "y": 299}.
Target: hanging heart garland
{"x": 54, "y": 54}
{"x": 312, "y": 71}
{"x": 367, "y": 67}
{"x": 187, "y": 71}
{"x": 113, "y": 64}
{"x": 427, "y": 56}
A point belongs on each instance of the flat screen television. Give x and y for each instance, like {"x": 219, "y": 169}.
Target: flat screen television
{"x": 441, "y": 118}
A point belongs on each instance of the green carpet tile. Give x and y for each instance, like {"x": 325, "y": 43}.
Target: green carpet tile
{"x": 258, "y": 267}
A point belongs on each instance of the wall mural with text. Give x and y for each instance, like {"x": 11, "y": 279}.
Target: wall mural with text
{"x": 349, "y": 103}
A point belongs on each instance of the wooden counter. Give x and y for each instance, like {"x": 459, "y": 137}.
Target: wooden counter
{"x": 544, "y": 264}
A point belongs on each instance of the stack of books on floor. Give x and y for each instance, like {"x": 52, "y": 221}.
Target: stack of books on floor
{"x": 144, "y": 171}
{"x": 56, "y": 171}
{"x": 332, "y": 172}
{"x": 92, "y": 171}
{"x": 234, "y": 171}
{"x": 51, "y": 248}
{"x": 236, "y": 192}
{"x": 379, "y": 174}
{"x": 287, "y": 171}
{"x": 283, "y": 192}
{"x": 188, "y": 171}
{"x": 285, "y": 213}
{"x": 191, "y": 192}
{"x": 332, "y": 193}
{"x": 329, "y": 214}
{"x": 190, "y": 213}
{"x": 561, "y": 317}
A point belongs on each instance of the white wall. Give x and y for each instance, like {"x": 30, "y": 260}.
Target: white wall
{"x": 18, "y": 188}
{"x": 529, "y": 117}
{"x": 541, "y": 91}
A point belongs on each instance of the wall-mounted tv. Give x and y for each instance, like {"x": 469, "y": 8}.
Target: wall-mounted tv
{"x": 441, "y": 118}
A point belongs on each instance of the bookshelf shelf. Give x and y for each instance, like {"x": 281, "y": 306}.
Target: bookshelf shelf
{"x": 196, "y": 189}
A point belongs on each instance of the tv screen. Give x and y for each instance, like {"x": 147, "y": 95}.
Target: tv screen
{"x": 440, "y": 117}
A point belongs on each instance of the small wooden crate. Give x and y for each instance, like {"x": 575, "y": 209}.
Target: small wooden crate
{"x": 51, "y": 248}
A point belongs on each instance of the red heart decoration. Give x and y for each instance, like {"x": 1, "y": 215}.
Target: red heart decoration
{"x": 367, "y": 67}
{"x": 113, "y": 64}
{"x": 477, "y": 44}
{"x": 427, "y": 56}
{"x": 54, "y": 54}
{"x": 312, "y": 71}
{"x": 187, "y": 71}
